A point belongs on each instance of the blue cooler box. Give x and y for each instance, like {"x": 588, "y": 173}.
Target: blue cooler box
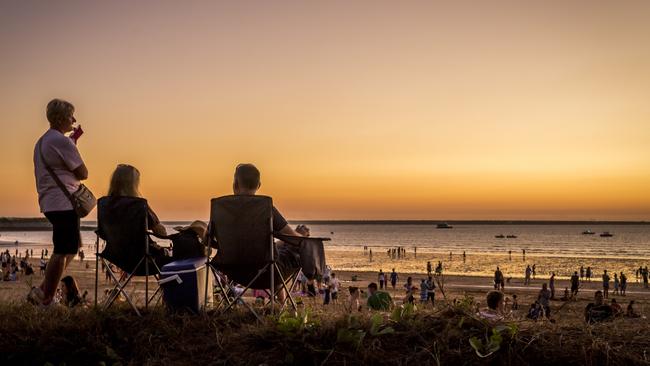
{"x": 183, "y": 284}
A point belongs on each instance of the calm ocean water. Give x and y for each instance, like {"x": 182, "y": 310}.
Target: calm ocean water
{"x": 629, "y": 241}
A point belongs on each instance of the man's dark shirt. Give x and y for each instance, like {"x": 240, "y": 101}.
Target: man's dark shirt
{"x": 279, "y": 222}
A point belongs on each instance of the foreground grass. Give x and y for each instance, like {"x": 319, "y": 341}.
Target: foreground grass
{"x": 30, "y": 336}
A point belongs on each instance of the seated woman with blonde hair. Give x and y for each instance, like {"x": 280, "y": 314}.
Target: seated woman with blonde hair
{"x": 125, "y": 182}
{"x": 188, "y": 242}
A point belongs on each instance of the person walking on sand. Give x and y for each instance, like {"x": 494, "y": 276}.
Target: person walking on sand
{"x": 644, "y": 274}
{"x": 431, "y": 290}
{"x": 623, "y": 278}
{"x": 408, "y": 284}
{"x": 534, "y": 270}
{"x": 527, "y": 275}
{"x": 381, "y": 277}
{"x": 543, "y": 299}
{"x": 523, "y": 254}
{"x": 589, "y": 274}
{"x": 574, "y": 285}
{"x": 510, "y": 255}
{"x": 616, "y": 283}
{"x": 499, "y": 283}
{"x": 56, "y": 153}
{"x": 582, "y": 272}
{"x": 605, "y": 285}
{"x": 429, "y": 270}
{"x": 464, "y": 256}
{"x": 393, "y": 278}
{"x": 551, "y": 285}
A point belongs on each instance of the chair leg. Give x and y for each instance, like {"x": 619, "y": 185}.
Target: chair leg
{"x": 96, "y": 268}
{"x": 284, "y": 286}
{"x": 119, "y": 288}
{"x": 238, "y": 297}
{"x": 224, "y": 290}
{"x": 293, "y": 278}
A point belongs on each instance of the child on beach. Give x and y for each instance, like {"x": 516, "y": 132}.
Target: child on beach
{"x": 495, "y": 310}
{"x": 515, "y": 304}
{"x": 327, "y": 290}
{"x": 424, "y": 290}
{"x": 70, "y": 296}
{"x": 353, "y": 300}
{"x": 335, "y": 284}
{"x": 630, "y": 311}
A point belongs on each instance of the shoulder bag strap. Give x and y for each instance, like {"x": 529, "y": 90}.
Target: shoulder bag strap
{"x": 54, "y": 176}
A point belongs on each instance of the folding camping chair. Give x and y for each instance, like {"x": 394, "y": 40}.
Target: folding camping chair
{"x": 312, "y": 257}
{"x": 243, "y": 229}
{"x": 122, "y": 224}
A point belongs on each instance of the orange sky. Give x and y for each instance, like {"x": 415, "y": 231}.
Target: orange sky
{"x": 370, "y": 110}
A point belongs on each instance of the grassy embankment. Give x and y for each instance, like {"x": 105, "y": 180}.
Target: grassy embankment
{"x": 449, "y": 335}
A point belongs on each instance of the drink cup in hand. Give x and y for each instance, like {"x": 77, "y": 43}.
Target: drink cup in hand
{"x": 76, "y": 133}
{"x": 302, "y": 230}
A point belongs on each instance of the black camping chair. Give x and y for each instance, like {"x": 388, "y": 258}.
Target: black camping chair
{"x": 122, "y": 224}
{"x": 246, "y": 252}
{"x": 312, "y": 257}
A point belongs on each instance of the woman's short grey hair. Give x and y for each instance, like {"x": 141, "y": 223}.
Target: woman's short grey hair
{"x": 58, "y": 110}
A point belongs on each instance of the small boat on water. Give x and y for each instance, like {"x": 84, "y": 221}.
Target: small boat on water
{"x": 444, "y": 225}
{"x": 500, "y": 236}
{"x": 588, "y": 232}
{"x": 606, "y": 234}
{"x": 511, "y": 236}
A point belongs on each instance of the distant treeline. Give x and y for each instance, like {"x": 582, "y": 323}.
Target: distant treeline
{"x": 32, "y": 224}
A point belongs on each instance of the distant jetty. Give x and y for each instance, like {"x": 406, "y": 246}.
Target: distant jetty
{"x": 31, "y": 224}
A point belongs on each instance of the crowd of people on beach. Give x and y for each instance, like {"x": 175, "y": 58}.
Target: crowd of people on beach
{"x": 56, "y": 150}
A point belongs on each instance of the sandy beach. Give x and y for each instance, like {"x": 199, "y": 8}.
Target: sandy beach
{"x": 455, "y": 287}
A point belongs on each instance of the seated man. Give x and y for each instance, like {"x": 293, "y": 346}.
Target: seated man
{"x": 598, "y": 311}
{"x": 246, "y": 183}
{"x": 378, "y": 300}
{"x": 495, "y": 309}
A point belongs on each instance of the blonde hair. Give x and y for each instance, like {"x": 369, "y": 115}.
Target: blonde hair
{"x": 58, "y": 110}
{"x": 125, "y": 181}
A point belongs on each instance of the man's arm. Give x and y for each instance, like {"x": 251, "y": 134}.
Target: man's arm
{"x": 289, "y": 231}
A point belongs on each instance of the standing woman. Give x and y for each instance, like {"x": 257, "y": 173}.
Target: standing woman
{"x": 59, "y": 152}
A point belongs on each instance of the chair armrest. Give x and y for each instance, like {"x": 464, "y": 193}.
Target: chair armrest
{"x": 151, "y": 233}
{"x": 295, "y": 240}
{"x": 164, "y": 237}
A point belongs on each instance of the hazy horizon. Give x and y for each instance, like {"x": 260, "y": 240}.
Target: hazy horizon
{"x": 367, "y": 110}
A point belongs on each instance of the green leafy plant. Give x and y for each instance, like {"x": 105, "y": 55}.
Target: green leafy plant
{"x": 293, "y": 324}
{"x": 493, "y": 342}
{"x": 350, "y": 336}
{"x": 376, "y": 323}
{"x": 403, "y": 312}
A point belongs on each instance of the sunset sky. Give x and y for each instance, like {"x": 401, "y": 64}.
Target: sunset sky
{"x": 351, "y": 109}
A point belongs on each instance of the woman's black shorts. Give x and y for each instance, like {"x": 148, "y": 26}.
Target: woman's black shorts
{"x": 66, "y": 234}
